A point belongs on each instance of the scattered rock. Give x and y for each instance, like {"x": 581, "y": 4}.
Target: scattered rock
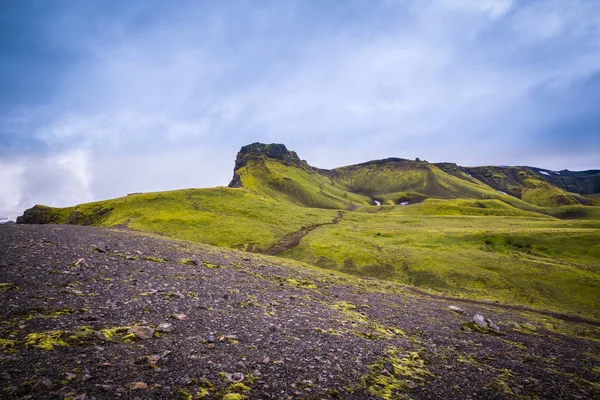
{"x": 235, "y": 377}
{"x": 480, "y": 321}
{"x": 457, "y": 309}
{"x": 81, "y": 263}
{"x": 153, "y": 360}
{"x": 181, "y": 317}
{"x": 138, "y": 385}
{"x": 43, "y": 385}
{"x": 165, "y": 327}
{"x": 82, "y": 396}
{"x": 70, "y": 376}
{"x": 142, "y": 332}
{"x": 492, "y": 325}
{"x": 266, "y": 360}
{"x": 101, "y": 247}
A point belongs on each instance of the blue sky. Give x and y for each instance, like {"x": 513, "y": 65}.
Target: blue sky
{"x": 102, "y": 98}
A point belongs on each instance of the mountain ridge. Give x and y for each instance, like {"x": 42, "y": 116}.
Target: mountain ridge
{"x": 534, "y": 185}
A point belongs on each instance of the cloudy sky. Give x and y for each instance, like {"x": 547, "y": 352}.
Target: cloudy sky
{"x": 100, "y": 98}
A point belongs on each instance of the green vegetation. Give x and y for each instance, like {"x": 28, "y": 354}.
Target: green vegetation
{"x": 494, "y": 233}
{"x": 389, "y": 377}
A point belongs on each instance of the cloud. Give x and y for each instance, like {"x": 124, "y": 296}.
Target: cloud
{"x": 140, "y": 87}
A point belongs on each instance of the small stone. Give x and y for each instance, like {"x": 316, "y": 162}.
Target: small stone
{"x": 480, "y": 321}
{"x": 43, "y": 385}
{"x": 181, "y": 317}
{"x": 82, "y": 396}
{"x": 165, "y": 327}
{"x": 142, "y": 332}
{"x": 210, "y": 339}
{"x": 492, "y": 325}
{"x": 106, "y": 388}
{"x": 101, "y": 247}
{"x": 81, "y": 263}
{"x": 70, "y": 376}
{"x": 86, "y": 377}
{"x": 266, "y": 360}
{"x": 138, "y": 385}
{"x": 457, "y": 309}
{"x": 235, "y": 377}
{"x": 153, "y": 360}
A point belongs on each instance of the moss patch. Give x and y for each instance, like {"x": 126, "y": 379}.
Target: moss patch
{"x": 395, "y": 373}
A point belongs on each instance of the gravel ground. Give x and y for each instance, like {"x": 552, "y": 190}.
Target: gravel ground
{"x": 108, "y": 313}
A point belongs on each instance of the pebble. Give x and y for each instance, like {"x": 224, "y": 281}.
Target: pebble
{"x": 480, "y": 321}
{"x": 138, "y": 385}
{"x": 43, "y": 385}
{"x": 165, "y": 327}
{"x": 181, "y": 317}
{"x": 142, "y": 332}
{"x": 457, "y": 309}
{"x": 235, "y": 377}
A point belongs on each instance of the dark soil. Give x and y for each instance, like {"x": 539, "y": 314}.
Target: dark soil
{"x": 286, "y": 331}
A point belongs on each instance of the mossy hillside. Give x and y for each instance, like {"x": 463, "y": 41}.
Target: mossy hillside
{"x": 540, "y": 262}
{"x": 226, "y": 217}
{"x": 594, "y": 199}
{"x": 302, "y": 186}
{"x": 389, "y": 178}
{"x": 525, "y": 184}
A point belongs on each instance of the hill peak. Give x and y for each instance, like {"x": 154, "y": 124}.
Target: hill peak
{"x": 254, "y": 151}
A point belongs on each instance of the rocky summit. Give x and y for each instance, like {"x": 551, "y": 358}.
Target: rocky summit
{"x": 97, "y": 313}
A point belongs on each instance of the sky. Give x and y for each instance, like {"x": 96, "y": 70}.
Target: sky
{"x": 100, "y": 98}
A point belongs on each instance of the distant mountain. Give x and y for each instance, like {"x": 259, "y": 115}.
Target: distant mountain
{"x": 273, "y": 169}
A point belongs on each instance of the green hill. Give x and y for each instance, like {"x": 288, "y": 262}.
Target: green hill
{"x": 535, "y": 244}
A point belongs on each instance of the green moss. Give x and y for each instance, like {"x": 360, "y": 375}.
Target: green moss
{"x": 116, "y": 334}
{"x": 396, "y": 372}
{"x": 7, "y": 344}
{"x": 500, "y": 383}
{"x": 155, "y": 259}
{"x": 233, "y": 396}
{"x": 6, "y": 286}
{"x": 238, "y": 387}
{"x": 45, "y": 340}
{"x": 183, "y": 394}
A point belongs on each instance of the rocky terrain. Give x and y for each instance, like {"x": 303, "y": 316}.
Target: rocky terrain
{"x": 96, "y": 313}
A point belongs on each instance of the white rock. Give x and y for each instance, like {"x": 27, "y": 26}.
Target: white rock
{"x": 480, "y": 321}
{"x": 457, "y": 309}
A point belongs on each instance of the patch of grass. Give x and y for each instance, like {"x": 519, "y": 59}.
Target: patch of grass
{"x": 396, "y": 372}
{"x": 45, "y": 340}
{"x": 540, "y": 262}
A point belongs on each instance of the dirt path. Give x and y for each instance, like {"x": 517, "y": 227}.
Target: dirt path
{"x": 293, "y": 239}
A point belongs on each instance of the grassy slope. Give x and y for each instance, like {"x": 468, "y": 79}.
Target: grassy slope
{"x": 476, "y": 243}
{"x": 227, "y": 217}
{"x": 298, "y": 186}
{"x": 538, "y": 261}
{"x": 526, "y": 185}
